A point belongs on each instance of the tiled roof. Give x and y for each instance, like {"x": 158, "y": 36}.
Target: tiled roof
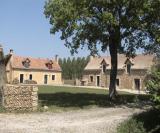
{"x": 139, "y": 62}
{"x": 35, "y": 63}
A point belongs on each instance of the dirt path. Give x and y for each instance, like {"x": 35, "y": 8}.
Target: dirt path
{"x": 96, "y": 120}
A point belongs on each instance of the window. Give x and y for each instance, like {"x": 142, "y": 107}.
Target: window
{"x": 45, "y": 79}
{"x": 53, "y": 77}
{"x": 91, "y": 78}
{"x": 104, "y": 68}
{"x": 26, "y": 63}
{"x": 117, "y": 82}
{"x": 30, "y": 77}
{"x": 49, "y": 64}
{"x": 128, "y": 68}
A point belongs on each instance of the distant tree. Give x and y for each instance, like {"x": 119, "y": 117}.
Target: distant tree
{"x": 73, "y": 68}
{"x": 121, "y": 25}
{"x": 69, "y": 68}
{"x": 64, "y": 69}
{"x": 60, "y": 62}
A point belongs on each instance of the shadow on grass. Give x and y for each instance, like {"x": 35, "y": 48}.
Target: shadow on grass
{"x": 84, "y": 99}
{"x": 150, "y": 120}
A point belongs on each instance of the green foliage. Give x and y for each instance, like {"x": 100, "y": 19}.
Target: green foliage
{"x": 122, "y": 25}
{"x": 147, "y": 121}
{"x": 150, "y": 120}
{"x": 128, "y": 23}
{"x": 153, "y": 83}
{"x": 73, "y": 68}
{"x": 2, "y": 109}
{"x": 131, "y": 126}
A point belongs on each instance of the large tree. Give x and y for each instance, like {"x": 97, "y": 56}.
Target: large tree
{"x": 123, "y": 26}
{"x": 3, "y": 62}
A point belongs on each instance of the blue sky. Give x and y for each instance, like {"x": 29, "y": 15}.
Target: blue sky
{"x": 24, "y": 28}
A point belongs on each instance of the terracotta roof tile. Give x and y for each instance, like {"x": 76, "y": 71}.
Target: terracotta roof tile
{"x": 35, "y": 63}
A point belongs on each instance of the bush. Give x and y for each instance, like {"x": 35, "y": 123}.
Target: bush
{"x": 131, "y": 126}
{"x": 30, "y": 82}
{"x": 2, "y": 109}
{"x": 153, "y": 83}
{"x": 150, "y": 120}
{"x": 15, "y": 81}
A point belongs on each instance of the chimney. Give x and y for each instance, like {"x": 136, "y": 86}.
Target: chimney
{"x": 11, "y": 52}
{"x": 56, "y": 58}
{"x": 91, "y": 57}
{"x": 1, "y": 48}
{"x": 1, "y": 52}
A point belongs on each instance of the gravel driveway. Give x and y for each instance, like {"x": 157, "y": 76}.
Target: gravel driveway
{"x": 96, "y": 120}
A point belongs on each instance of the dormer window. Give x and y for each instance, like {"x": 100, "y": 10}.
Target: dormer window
{"x": 26, "y": 63}
{"x": 49, "y": 64}
{"x": 128, "y": 68}
{"x": 104, "y": 68}
{"x": 128, "y": 64}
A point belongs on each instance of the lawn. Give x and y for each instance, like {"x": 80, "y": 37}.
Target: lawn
{"x": 73, "y": 90}
{"x": 60, "y": 98}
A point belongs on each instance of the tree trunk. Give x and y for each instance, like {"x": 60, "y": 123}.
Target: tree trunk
{"x": 2, "y": 69}
{"x": 3, "y": 62}
{"x": 113, "y": 72}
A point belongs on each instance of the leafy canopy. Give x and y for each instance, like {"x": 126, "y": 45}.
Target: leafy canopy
{"x": 135, "y": 23}
{"x": 153, "y": 82}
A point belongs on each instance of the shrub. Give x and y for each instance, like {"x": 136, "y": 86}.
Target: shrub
{"x": 131, "y": 126}
{"x": 15, "y": 81}
{"x": 153, "y": 83}
{"x": 2, "y": 109}
{"x": 150, "y": 120}
{"x": 30, "y": 82}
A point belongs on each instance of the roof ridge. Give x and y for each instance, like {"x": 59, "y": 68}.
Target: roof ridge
{"x": 33, "y": 57}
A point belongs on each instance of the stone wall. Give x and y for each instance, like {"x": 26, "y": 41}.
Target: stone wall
{"x": 94, "y": 73}
{"x": 20, "y": 98}
{"x": 0, "y": 95}
{"x": 126, "y": 81}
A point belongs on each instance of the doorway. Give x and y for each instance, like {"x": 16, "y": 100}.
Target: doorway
{"x": 45, "y": 79}
{"x": 117, "y": 83}
{"x": 21, "y": 78}
{"x": 137, "y": 84}
{"x": 98, "y": 80}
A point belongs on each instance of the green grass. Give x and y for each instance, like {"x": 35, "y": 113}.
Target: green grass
{"x": 73, "y": 90}
{"x": 59, "y": 98}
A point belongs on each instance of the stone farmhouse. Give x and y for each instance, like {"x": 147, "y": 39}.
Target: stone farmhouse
{"x": 42, "y": 71}
{"x": 131, "y": 71}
